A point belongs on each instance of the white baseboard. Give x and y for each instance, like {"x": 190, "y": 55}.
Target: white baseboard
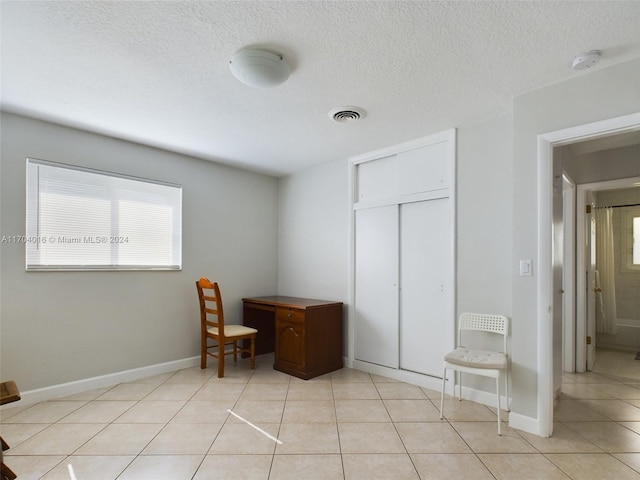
{"x": 485, "y": 398}
{"x": 426, "y": 381}
{"x": 64, "y": 389}
{"x": 524, "y": 423}
{"x": 516, "y": 420}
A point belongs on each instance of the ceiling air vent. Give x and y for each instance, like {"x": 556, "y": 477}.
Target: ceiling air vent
{"x": 347, "y": 114}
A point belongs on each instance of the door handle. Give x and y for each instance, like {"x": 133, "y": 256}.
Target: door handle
{"x": 597, "y": 290}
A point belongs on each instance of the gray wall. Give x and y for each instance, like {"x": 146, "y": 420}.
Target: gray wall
{"x": 59, "y": 327}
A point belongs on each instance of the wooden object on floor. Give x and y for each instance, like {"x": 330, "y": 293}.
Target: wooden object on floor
{"x": 212, "y": 326}
{"x": 306, "y": 334}
{"x": 8, "y": 393}
{"x": 6, "y": 473}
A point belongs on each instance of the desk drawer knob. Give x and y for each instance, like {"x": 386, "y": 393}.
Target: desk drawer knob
{"x": 289, "y": 314}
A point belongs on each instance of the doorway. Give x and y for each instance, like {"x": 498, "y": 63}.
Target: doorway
{"x": 550, "y": 311}
{"x": 590, "y": 299}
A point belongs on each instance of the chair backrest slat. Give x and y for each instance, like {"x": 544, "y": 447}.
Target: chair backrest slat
{"x": 484, "y": 322}
{"x": 210, "y": 304}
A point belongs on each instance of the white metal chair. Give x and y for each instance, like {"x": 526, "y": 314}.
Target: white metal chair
{"x": 479, "y": 362}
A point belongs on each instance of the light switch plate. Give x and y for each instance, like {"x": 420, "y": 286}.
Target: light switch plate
{"x": 526, "y": 268}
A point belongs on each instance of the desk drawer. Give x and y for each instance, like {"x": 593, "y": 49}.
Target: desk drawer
{"x": 289, "y": 314}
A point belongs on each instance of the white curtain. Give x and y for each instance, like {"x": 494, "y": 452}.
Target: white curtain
{"x": 605, "y": 264}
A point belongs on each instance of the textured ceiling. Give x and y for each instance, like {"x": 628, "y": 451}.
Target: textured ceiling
{"x": 158, "y": 73}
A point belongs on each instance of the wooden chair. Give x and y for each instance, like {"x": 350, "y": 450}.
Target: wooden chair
{"x": 212, "y": 326}
{"x": 479, "y": 362}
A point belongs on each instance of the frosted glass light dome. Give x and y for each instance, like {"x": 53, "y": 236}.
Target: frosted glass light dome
{"x": 259, "y": 68}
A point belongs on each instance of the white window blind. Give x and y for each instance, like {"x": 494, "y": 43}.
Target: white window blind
{"x": 81, "y": 219}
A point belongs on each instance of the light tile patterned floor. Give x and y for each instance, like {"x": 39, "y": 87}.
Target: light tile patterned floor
{"x": 347, "y": 425}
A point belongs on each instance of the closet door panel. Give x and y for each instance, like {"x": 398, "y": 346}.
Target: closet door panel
{"x": 376, "y": 291}
{"x": 423, "y": 169}
{"x": 378, "y": 180}
{"x": 425, "y": 260}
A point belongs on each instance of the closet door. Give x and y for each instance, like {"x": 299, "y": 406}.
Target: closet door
{"x": 376, "y": 280}
{"x": 425, "y": 259}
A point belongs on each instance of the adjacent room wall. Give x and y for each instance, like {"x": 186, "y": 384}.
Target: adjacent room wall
{"x": 623, "y": 162}
{"x": 61, "y": 327}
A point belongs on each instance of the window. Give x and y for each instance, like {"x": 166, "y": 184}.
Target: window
{"x": 632, "y": 238}
{"x": 81, "y": 219}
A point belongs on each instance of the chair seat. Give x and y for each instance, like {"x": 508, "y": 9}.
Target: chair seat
{"x": 233, "y": 330}
{"x": 469, "y": 357}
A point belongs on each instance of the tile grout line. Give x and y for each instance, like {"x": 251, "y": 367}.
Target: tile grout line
{"x": 396, "y": 428}
{"x": 335, "y": 413}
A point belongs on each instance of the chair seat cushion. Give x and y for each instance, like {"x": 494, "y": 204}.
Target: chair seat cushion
{"x": 233, "y": 330}
{"x": 469, "y": 357}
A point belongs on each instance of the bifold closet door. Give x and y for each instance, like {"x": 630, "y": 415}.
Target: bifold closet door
{"x": 425, "y": 258}
{"x": 376, "y": 285}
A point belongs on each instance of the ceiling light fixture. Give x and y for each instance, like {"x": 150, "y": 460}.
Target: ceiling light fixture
{"x": 259, "y": 68}
{"x": 586, "y": 60}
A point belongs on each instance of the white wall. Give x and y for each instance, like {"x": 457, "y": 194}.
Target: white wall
{"x": 59, "y": 327}
{"x": 313, "y": 230}
{"x": 484, "y": 214}
{"x": 589, "y": 97}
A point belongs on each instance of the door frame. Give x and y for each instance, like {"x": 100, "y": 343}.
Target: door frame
{"x": 569, "y": 274}
{"x": 546, "y": 144}
{"x": 581, "y": 314}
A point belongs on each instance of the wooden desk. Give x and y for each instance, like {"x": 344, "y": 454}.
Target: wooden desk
{"x": 306, "y": 334}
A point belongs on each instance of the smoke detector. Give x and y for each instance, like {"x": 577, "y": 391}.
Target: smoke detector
{"x": 347, "y": 114}
{"x": 586, "y": 60}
